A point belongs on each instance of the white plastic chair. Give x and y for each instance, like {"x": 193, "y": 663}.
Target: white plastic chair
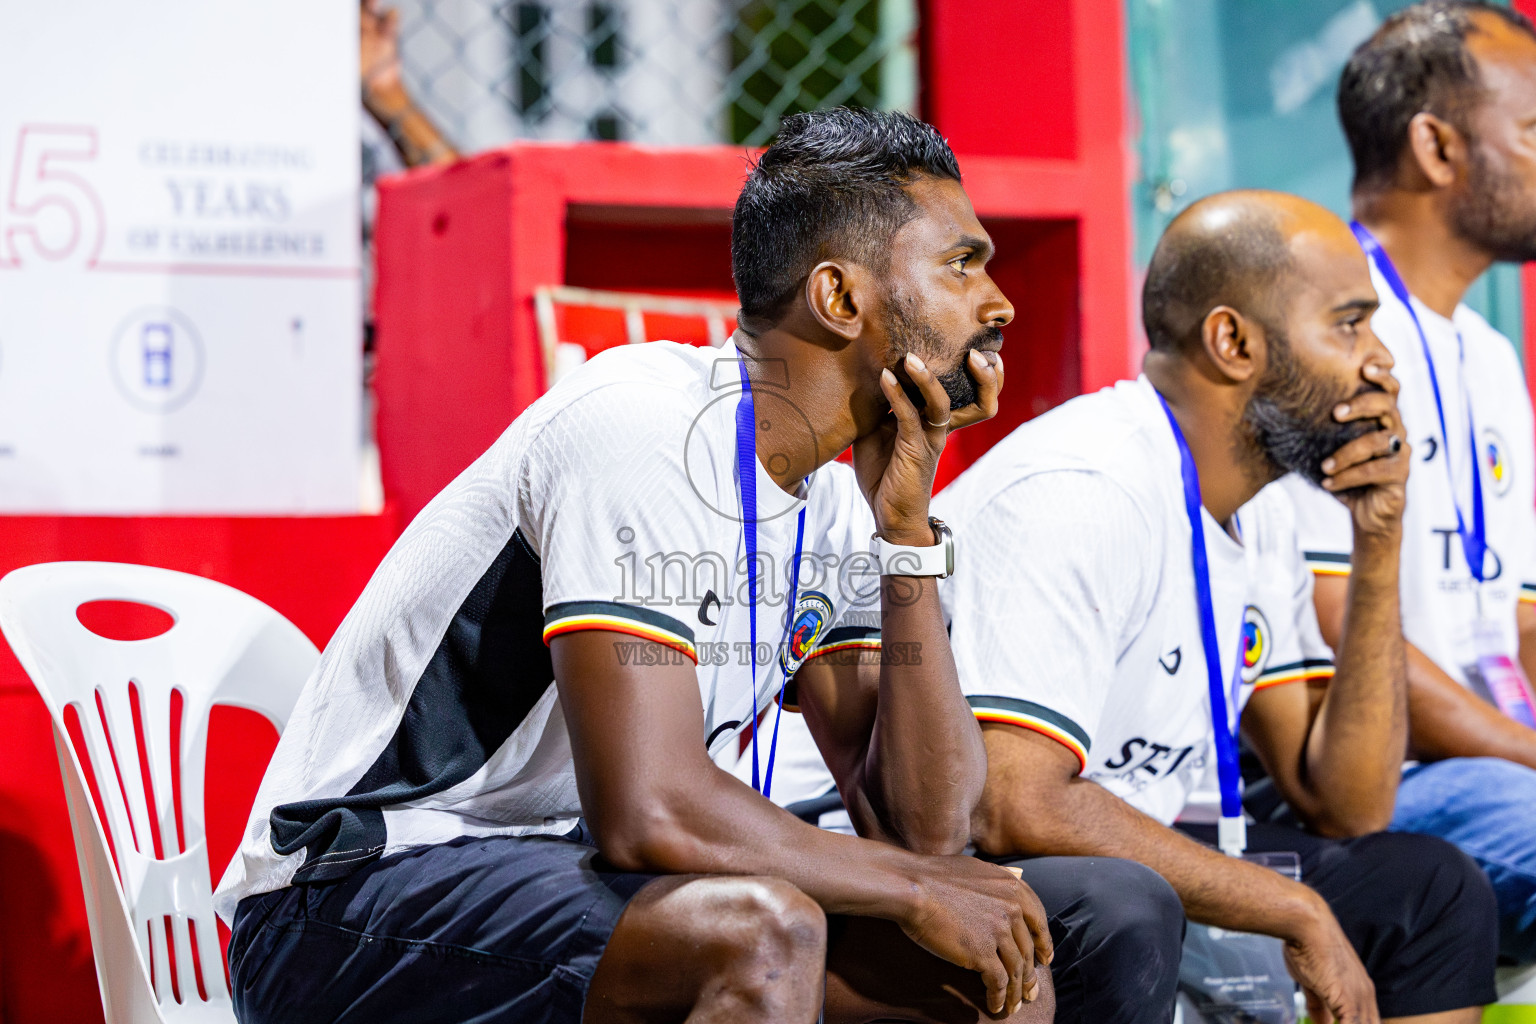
{"x": 224, "y": 647}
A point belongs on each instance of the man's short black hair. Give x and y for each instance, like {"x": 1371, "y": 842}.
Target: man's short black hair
{"x": 1246, "y": 265}
{"x": 830, "y": 186}
{"x": 1417, "y": 62}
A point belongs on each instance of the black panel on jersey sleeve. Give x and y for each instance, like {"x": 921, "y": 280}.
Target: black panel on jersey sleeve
{"x": 488, "y": 672}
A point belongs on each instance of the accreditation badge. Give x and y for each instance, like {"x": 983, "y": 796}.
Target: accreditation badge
{"x": 1498, "y": 678}
{"x": 1228, "y": 976}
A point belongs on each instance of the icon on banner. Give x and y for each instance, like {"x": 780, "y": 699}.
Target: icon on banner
{"x": 157, "y": 359}
{"x": 157, "y": 341}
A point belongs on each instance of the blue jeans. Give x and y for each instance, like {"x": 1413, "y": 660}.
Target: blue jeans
{"x": 1486, "y": 806}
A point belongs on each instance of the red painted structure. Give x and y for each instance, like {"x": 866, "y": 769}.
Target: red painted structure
{"x": 1028, "y": 91}
{"x": 1042, "y": 146}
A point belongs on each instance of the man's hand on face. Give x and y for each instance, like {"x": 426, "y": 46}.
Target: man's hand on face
{"x": 895, "y": 463}
{"x": 1370, "y": 473}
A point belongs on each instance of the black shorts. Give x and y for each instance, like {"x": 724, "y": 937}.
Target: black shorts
{"x": 504, "y": 929}
{"x": 1117, "y": 926}
{"x": 1418, "y": 911}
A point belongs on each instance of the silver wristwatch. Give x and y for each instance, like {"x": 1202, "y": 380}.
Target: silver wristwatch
{"x": 901, "y": 560}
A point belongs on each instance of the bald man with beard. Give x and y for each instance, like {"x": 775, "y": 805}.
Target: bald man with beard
{"x": 1096, "y": 533}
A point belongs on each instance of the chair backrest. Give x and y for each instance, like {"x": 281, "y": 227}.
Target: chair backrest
{"x": 142, "y": 708}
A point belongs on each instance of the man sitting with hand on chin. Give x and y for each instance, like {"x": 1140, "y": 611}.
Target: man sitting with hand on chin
{"x": 462, "y": 823}
{"x": 1437, "y": 107}
{"x": 1126, "y": 573}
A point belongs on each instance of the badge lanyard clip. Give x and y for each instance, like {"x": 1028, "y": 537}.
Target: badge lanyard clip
{"x": 1232, "y": 831}
{"x": 746, "y": 475}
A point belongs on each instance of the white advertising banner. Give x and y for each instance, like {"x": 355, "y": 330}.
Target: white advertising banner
{"x": 179, "y": 310}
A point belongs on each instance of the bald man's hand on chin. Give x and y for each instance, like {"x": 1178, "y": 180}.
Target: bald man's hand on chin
{"x": 1370, "y": 473}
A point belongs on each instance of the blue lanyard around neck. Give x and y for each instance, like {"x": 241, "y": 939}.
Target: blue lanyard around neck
{"x": 1474, "y": 541}
{"x": 746, "y": 476}
{"x": 1232, "y": 834}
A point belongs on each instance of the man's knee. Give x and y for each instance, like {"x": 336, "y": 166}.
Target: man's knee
{"x": 1451, "y": 896}
{"x": 1436, "y": 871}
{"x": 1136, "y": 911}
{"x": 762, "y": 922}
{"x": 1119, "y": 930}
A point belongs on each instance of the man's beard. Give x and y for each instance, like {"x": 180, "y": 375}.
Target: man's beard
{"x": 910, "y": 333}
{"x": 1289, "y": 420}
{"x": 1495, "y": 213}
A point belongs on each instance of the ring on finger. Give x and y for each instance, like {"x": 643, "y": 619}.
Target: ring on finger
{"x": 1394, "y": 444}
{"x": 933, "y": 424}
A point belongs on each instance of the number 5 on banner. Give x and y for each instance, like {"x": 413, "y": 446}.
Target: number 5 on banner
{"x": 39, "y": 184}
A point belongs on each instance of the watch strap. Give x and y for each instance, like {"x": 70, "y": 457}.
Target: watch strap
{"x": 902, "y": 560}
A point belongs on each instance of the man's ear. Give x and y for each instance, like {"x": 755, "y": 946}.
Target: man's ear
{"x": 1435, "y": 148}
{"x": 834, "y": 293}
{"x": 1233, "y": 343}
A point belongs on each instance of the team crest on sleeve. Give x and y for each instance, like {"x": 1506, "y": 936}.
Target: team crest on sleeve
{"x": 1256, "y": 643}
{"x": 1496, "y": 461}
{"x": 813, "y": 616}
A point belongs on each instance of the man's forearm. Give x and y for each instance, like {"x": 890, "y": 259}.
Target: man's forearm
{"x": 926, "y": 765}
{"x": 1354, "y": 752}
{"x": 707, "y": 822}
{"x": 1448, "y": 720}
{"x": 415, "y": 137}
{"x": 1083, "y": 819}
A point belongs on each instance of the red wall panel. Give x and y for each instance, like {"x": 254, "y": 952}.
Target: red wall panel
{"x": 997, "y": 75}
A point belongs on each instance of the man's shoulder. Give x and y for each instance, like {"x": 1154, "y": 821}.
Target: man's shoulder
{"x": 629, "y": 396}
{"x": 1494, "y": 354}
{"x": 1110, "y": 434}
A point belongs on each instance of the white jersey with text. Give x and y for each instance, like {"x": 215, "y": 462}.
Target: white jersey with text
{"x": 1439, "y": 595}
{"x": 610, "y": 504}
{"x": 1073, "y": 606}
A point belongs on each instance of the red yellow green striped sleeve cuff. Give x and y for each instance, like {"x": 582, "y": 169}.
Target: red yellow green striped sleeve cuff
{"x": 1036, "y": 718}
{"x": 1294, "y": 672}
{"x": 574, "y": 616}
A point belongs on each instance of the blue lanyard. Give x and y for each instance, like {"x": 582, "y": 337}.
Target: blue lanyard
{"x": 1474, "y": 541}
{"x": 746, "y": 474}
{"x": 1232, "y": 834}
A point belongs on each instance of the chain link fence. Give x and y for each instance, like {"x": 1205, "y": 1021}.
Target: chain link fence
{"x": 676, "y": 72}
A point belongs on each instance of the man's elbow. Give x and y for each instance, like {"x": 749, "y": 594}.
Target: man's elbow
{"x": 1012, "y": 827}
{"x": 938, "y": 838}
{"x": 1336, "y": 819}
{"x": 936, "y": 828}
{"x": 648, "y": 842}
{"x": 1351, "y": 825}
